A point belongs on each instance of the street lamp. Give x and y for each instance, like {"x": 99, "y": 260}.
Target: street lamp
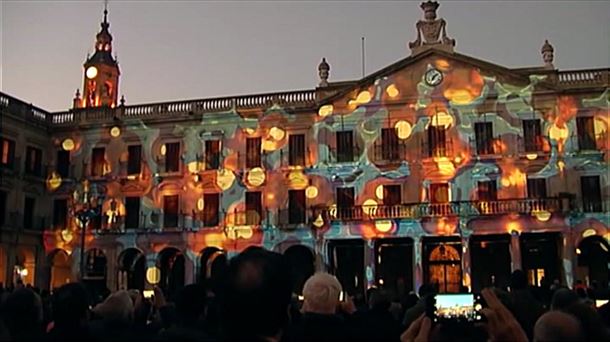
{"x": 84, "y": 207}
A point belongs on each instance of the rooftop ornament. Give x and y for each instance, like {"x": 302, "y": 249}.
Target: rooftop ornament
{"x": 431, "y": 31}
{"x": 547, "y": 54}
{"x": 323, "y": 72}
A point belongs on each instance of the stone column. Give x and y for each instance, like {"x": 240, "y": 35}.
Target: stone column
{"x": 568, "y": 258}
{"x": 418, "y": 275}
{"x": 515, "y": 252}
{"x": 369, "y": 263}
{"x": 466, "y": 271}
{"x": 111, "y": 268}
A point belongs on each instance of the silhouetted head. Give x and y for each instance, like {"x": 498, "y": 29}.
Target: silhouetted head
{"x": 22, "y": 314}
{"x": 257, "y": 297}
{"x": 426, "y": 289}
{"x": 563, "y": 298}
{"x": 380, "y": 300}
{"x": 191, "y": 303}
{"x": 558, "y": 326}
{"x": 321, "y": 294}
{"x": 518, "y": 280}
{"x": 70, "y": 305}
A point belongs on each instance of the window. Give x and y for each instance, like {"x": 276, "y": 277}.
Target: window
{"x": 212, "y": 154}
{"x": 345, "y": 147}
{"x": 389, "y": 144}
{"x": 2, "y": 208}
{"x": 487, "y": 191}
{"x": 60, "y": 214}
{"x": 254, "y": 208}
{"x": 484, "y": 137}
{"x": 211, "y": 205}
{"x": 296, "y": 149}
{"x": 33, "y": 161}
{"x": 62, "y": 164}
{"x": 532, "y": 135}
{"x": 391, "y": 195}
{"x": 8, "y": 153}
{"x": 170, "y": 211}
{"x": 586, "y": 133}
{"x": 97, "y": 161}
{"x": 253, "y": 152}
{"x": 436, "y": 141}
{"x": 132, "y": 212}
{"x": 591, "y": 194}
{"x": 345, "y": 202}
{"x": 536, "y": 188}
{"x": 134, "y": 161}
{"x": 172, "y": 157}
{"x": 296, "y": 206}
{"x": 28, "y": 213}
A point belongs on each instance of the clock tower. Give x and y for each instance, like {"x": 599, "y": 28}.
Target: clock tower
{"x": 101, "y": 78}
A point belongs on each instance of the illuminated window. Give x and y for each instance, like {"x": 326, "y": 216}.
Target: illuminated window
{"x": 170, "y": 211}
{"x": 437, "y": 144}
{"x": 532, "y": 136}
{"x": 345, "y": 147}
{"x": 132, "y": 212}
{"x": 391, "y": 195}
{"x": 62, "y": 165}
{"x": 296, "y": 206}
{"x": 33, "y": 161}
{"x": 134, "y": 161}
{"x": 211, "y": 206}
{"x": 296, "y": 149}
{"x": 254, "y": 208}
{"x": 28, "y": 213}
{"x": 536, "y": 188}
{"x": 253, "y": 152}
{"x": 591, "y": 194}
{"x": 212, "y": 154}
{"x": 2, "y": 207}
{"x": 172, "y": 157}
{"x": 484, "y": 137}
{"x": 60, "y": 214}
{"x": 586, "y": 133}
{"x": 98, "y": 160}
{"x": 8, "y": 153}
{"x": 389, "y": 144}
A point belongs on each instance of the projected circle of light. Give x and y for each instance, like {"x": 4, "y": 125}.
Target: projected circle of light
{"x": 363, "y": 97}
{"x": 379, "y": 191}
{"x": 513, "y": 227}
{"x": 68, "y": 144}
{"x": 297, "y": 180}
{"x": 66, "y": 235}
{"x": 441, "y": 119}
{"x": 589, "y": 232}
{"x": 319, "y": 221}
{"x": 403, "y": 129}
{"x": 558, "y": 133}
{"x": 256, "y": 176}
{"x": 54, "y": 181}
{"x": 153, "y": 275}
{"x": 369, "y": 206}
{"x": 193, "y": 167}
{"x": 200, "y": 204}
{"x": 115, "y": 131}
{"x": 311, "y": 192}
{"x": 91, "y": 72}
{"x": 542, "y": 215}
{"x": 277, "y": 133}
{"x": 224, "y": 178}
{"x": 383, "y": 226}
{"x": 531, "y": 156}
{"x": 325, "y": 110}
{"x": 249, "y": 131}
{"x": 392, "y": 91}
{"x": 163, "y": 149}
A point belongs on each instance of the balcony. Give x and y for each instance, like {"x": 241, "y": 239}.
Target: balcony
{"x": 437, "y": 149}
{"x": 245, "y": 218}
{"x": 486, "y": 148}
{"x": 593, "y": 206}
{"x": 591, "y": 144}
{"x": 387, "y": 154}
{"x": 18, "y": 221}
{"x": 350, "y": 155}
{"x": 286, "y": 218}
{"x": 584, "y": 78}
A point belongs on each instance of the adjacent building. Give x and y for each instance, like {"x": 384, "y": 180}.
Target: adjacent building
{"x": 440, "y": 168}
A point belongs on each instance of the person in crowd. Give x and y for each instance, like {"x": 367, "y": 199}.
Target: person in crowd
{"x": 592, "y": 324}
{"x": 22, "y": 315}
{"x": 378, "y": 323}
{"x": 419, "y": 308}
{"x": 256, "y": 301}
{"x": 70, "y": 309}
{"x": 115, "y": 315}
{"x": 190, "y": 306}
{"x": 563, "y": 298}
{"x": 320, "y": 320}
{"x": 558, "y": 326}
{"x": 525, "y": 307}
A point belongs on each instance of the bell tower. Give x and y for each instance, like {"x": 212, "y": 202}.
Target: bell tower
{"x": 101, "y": 72}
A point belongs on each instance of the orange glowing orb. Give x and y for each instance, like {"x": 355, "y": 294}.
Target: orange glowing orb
{"x": 383, "y": 226}
{"x": 200, "y": 204}
{"x": 392, "y": 91}
{"x": 319, "y": 221}
{"x": 153, "y": 275}
{"x": 403, "y": 129}
{"x": 249, "y": 131}
{"x": 379, "y": 192}
{"x": 531, "y": 156}
{"x": 311, "y": 192}
{"x": 441, "y": 119}
{"x": 68, "y": 144}
{"x": 363, "y": 97}
{"x": 558, "y": 133}
{"x": 91, "y": 72}
{"x": 513, "y": 227}
{"x": 276, "y": 133}
{"x": 193, "y": 167}
{"x": 54, "y": 181}
{"x": 66, "y": 235}
{"x": 224, "y": 178}
{"x": 589, "y": 232}
{"x": 163, "y": 149}
{"x": 115, "y": 131}
{"x": 542, "y": 215}
{"x": 325, "y": 110}
{"x": 256, "y": 176}
{"x": 297, "y": 180}
{"x": 369, "y": 206}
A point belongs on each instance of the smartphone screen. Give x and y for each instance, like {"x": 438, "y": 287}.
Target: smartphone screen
{"x": 341, "y": 296}
{"x": 461, "y": 307}
{"x": 600, "y": 302}
{"x": 148, "y": 293}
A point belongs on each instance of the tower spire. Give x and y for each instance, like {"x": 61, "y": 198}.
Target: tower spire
{"x": 105, "y": 11}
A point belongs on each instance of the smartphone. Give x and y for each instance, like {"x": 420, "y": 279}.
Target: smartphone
{"x": 600, "y": 302}
{"x": 462, "y": 307}
{"x": 148, "y": 293}
{"x": 341, "y": 296}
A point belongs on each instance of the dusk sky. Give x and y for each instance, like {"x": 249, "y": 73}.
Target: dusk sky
{"x": 174, "y": 50}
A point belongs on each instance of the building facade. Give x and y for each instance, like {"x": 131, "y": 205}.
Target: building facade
{"x": 440, "y": 168}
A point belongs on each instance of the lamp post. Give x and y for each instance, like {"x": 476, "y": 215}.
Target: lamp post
{"x": 84, "y": 208}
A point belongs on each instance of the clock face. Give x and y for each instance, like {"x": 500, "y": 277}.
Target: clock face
{"x": 91, "y": 72}
{"x": 433, "y": 77}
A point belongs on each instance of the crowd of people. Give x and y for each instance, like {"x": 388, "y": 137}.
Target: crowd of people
{"x": 254, "y": 302}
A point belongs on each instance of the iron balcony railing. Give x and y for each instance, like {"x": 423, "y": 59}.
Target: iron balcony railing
{"x": 585, "y": 205}
{"x": 349, "y": 155}
{"x": 389, "y": 153}
{"x": 438, "y": 149}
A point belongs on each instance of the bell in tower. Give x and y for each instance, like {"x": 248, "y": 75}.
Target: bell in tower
{"x": 101, "y": 81}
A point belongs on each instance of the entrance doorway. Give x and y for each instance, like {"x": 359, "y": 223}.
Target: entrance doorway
{"x": 593, "y": 259}
{"x": 213, "y": 266}
{"x": 347, "y": 264}
{"x": 171, "y": 262}
{"x": 443, "y": 265}
{"x": 132, "y": 269}
{"x": 540, "y": 257}
{"x": 490, "y": 261}
{"x": 301, "y": 260}
{"x": 61, "y": 268}
{"x": 394, "y": 266}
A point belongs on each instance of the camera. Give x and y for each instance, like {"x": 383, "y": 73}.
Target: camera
{"x": 455, "y": 307}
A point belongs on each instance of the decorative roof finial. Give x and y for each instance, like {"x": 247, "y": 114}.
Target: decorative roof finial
{"x": 122, "y": 100}
{"x": 76, "y": 102}
{"x": 323, "y": 72}
{"x": 105, "y": 11}
{"x": 432, "y": 29}
{"x": 548, "y": 54}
